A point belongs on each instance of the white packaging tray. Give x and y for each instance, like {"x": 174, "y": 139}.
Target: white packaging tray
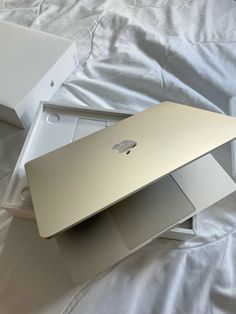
{"x": 54, "y": 126}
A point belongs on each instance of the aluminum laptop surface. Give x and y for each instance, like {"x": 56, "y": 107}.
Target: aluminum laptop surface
{"x": 81, "y": 179}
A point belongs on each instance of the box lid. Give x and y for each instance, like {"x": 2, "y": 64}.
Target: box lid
{"x": 96, "y": 172}
{"x": 26, "y": 56}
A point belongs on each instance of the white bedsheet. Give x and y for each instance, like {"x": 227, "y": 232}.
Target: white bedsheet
{"x": 133, "y": 54}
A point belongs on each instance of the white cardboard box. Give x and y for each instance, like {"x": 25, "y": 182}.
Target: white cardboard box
{"x": 61, "y": 125}
{"x": 33, "y": 65}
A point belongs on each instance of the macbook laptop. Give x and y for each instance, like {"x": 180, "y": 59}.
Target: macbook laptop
{"x": 97, "y": 171}
{"x": 125, "y": 185}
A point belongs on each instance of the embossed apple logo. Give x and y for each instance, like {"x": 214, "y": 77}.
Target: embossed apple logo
{"x": 124, "y": 146}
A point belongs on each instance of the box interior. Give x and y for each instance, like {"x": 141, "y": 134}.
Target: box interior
{"x": 54, "y": 127}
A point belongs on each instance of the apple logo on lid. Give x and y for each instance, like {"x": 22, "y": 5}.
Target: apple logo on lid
{"x": 124, "y": 146}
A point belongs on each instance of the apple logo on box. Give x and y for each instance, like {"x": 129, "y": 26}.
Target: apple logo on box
{"x": 124, "y": 146}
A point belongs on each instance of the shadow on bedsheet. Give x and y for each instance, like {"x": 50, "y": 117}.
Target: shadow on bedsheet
{"x": 33, "y": 277}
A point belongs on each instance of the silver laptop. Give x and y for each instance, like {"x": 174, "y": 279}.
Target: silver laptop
{"x": 99, "y": 170}
{"x": 135, "y": 167}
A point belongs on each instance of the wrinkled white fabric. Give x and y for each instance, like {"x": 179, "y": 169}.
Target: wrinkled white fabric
{"x": 132, "y": 55}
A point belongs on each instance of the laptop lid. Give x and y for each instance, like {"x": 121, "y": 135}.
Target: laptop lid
{"x": 79, "y": 180}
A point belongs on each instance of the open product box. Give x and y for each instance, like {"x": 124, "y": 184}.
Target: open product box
{"x": 54, "y": 126}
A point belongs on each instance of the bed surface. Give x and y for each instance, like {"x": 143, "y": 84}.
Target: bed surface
{"x": 132, "y": 55}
